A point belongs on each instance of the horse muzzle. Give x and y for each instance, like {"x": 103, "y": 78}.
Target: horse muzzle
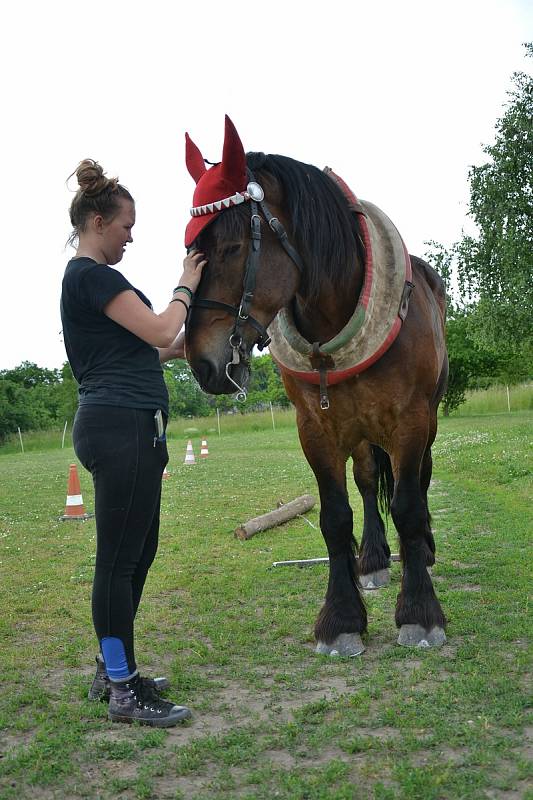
{"x": 222, "y": 376}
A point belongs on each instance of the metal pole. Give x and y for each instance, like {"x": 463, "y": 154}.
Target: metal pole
{"x": 508, "y": 400}
{"x": 218, "y": 421}
{"x": 307, "y": 562}
{"x": 64, "y": 432}
{"x": 20, "y": 437}
{"x": 272, "y": 415}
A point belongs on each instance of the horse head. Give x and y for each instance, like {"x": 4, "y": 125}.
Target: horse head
{"x": 237, "y": 219}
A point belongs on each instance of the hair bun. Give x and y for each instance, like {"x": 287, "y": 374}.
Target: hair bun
{"x": 92, "y": 179}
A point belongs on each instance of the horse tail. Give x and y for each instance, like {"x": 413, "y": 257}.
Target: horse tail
{"x": 385, "y": 479}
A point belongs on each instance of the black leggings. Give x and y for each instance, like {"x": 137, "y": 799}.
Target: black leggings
{"x": 116, "y": 445}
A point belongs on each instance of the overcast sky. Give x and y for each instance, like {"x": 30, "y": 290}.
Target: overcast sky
{"x": 397, "y": 97}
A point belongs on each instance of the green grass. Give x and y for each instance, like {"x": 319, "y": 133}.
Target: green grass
{"x": 496, "y": 400}
{"x": 271, "y": 719}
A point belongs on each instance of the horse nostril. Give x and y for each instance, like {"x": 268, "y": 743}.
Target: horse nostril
{"x": 203, "y": 370}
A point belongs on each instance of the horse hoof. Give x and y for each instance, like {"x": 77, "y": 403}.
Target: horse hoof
{"x": 375, "y": 580}
{"x": 346, "y": 644}
{"x": 417, "y": 636}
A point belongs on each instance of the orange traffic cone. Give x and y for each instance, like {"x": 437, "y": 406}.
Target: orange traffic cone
{"x": 74, "y": 508}
{"x": 189, "y": 454}
{"x": 166, "y": 474}
{"x": 204, "y": 452}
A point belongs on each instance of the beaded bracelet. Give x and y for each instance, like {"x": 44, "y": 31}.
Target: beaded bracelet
{"x": 179, "y": 300}
{"x": 183, "y": 289}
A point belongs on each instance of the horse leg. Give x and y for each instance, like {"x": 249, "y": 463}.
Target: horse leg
{"x": 343, "y": 616}
{"x": 418, "y": 612}
{"x": 374, "y": 553}
{"x": 425, "y": 479}
{"x": 427, "y": 461}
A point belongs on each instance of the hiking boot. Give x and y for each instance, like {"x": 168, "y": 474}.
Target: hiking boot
{"x": 100, "y": 688}
{"x": 135, "y": 701}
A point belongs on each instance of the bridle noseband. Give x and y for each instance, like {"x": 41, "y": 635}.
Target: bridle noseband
{"x": 242, "y": 312}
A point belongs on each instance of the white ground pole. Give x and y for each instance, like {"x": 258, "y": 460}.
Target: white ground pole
{"x": 508, "y": 400}
{"x": 20, "y": 437}
{"x": 218, "y": 421}
{"x": 272, "y": 415}
{"x": 64, "y": 432}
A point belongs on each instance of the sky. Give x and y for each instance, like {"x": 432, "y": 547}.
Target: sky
{"x": 398, "y": 98}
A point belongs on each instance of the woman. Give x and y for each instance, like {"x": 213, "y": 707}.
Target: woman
{"x": 115, "y": 344}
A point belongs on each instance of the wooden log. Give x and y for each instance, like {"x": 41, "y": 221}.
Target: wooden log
{"x": 282, "y": 514}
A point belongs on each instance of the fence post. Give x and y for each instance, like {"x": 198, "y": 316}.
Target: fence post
{"x": 272, "y": 415}
{"x": 20, "y": 437}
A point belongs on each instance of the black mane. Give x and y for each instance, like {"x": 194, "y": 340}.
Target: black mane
{"x": 322, "y": 227}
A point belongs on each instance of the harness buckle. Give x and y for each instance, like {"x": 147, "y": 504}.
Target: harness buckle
{"x": 404, "y": 302}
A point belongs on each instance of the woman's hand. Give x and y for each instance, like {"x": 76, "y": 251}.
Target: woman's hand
{"x": 176, "y": 349}
{"x": 193, "y": 264}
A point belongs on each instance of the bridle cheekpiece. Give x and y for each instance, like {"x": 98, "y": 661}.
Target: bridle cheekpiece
{"x": 231, "y": 172}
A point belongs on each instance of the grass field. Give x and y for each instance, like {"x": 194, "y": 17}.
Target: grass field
{"x": 271, "y": 719}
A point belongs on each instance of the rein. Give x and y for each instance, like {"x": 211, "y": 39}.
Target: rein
{"x": 242, "y": 311}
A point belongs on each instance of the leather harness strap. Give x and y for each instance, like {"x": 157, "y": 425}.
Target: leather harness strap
{"x": 242, "y": 312}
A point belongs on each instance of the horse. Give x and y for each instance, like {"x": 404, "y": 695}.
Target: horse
{"x": 287, "y": 241}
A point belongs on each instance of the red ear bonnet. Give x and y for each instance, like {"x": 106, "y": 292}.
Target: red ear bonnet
{"x": 219, "y": 187}
{"x": 194, "y": 159}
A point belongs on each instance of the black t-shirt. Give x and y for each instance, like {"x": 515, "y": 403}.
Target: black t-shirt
{"x": 112, "y": 366}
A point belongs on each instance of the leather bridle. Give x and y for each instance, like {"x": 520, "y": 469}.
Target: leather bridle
{"x": 242, "y": 311}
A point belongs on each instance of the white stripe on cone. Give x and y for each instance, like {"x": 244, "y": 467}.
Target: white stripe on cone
{"x": 189, "y": 454}
{"x": 74, "y": 500}
{"x": 204, "y": 452}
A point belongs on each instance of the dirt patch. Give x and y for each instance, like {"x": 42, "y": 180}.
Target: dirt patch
{"x": 384, "y": 733}
{"x": 119, "y": 768}
{"x": 236, "y": 706}
{"x": 444, "y": 755}
{"x": 54, "y": 680}
{"x": 527, "y": 747}
{"x": 408, "y": 665}
{"x": 199, "y": 727}
{"x": 286, "y": 760}
{"x": 9, "y": 741}
{"x": 188, "y": 784}
{"x": 518, "y": 793}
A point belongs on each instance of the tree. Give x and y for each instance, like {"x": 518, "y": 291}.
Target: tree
{"x": 265, "y": 383}
{"x": 495, "y": 267}
{"x": 185, "y": 396}
{"x": 468, "y": 361}
{"x": 30, "y": 375}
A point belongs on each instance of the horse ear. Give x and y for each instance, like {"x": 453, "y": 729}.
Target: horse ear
{"x": 233, "y": 158}
{"x": 194, "y": 159}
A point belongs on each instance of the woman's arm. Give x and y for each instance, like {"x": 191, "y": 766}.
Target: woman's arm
{"x": 176, "y": 349}
{"x": 159, "y": 330}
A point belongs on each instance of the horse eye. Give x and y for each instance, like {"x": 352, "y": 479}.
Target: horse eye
{"x": 231, "y": 250}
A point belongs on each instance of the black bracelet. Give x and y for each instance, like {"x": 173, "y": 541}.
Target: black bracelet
{"x": 179, "y": 300}
{"x": 183, "y": 289}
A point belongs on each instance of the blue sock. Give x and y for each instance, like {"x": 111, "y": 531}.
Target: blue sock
{"x": 116, "y": 663}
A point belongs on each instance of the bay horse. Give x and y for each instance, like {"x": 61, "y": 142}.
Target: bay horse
{"x": 285, "y": 238}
